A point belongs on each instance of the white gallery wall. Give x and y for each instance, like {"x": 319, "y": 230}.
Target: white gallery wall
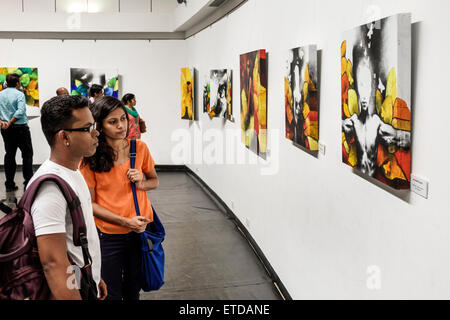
{"x": 150, "y": 70}
{"x": 328, "y": 232}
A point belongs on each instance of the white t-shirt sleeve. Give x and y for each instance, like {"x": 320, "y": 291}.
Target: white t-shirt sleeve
{"x": 49, "y": 210}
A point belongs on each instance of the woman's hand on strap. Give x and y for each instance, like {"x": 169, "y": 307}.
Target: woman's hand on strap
{"x": 137, "y": 224}
{"x": 136, "y": 176}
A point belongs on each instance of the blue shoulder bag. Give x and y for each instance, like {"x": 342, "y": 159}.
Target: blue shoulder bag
{"x": 151, "y": 239}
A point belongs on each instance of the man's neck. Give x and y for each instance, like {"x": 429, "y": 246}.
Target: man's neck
{"x": 69, "y": 163}
{"x": 364, "y": 116}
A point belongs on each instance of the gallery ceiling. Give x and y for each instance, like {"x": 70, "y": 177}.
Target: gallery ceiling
{"x": 110, "y": 19}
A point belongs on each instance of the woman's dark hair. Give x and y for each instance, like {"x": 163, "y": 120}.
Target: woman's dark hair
{"x": 127, "y": 98}
{"x": 56, "y": 114}
{"x": 104, "y": 157}
{"x": 95, "y": 88}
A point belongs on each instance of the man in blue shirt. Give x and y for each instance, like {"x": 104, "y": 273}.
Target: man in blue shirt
{"x": 15, "y": 131}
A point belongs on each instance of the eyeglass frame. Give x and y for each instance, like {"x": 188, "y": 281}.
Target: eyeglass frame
{"x": 89, "y": 129}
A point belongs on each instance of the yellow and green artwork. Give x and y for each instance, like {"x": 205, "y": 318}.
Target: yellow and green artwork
{"x": 28, "y": 80}
{"x": 81, "y": 80}
{"x": 376, "y": 99}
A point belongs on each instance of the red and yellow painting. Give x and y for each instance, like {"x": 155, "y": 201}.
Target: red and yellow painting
{"x": 301, "y": 97}
{"x": 253, "y": 76}
{"x": 375, "y": 100}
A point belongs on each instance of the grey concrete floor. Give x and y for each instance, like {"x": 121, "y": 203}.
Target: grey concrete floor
{"x": 206, "y": 256}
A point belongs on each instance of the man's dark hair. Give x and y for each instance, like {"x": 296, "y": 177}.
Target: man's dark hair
{"x": 12, "y": 80}
{"x": 95, "y": 88}
{"x": 56, "y": 114}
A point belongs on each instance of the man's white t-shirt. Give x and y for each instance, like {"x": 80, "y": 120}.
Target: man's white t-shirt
{"x": 51, "y": 215}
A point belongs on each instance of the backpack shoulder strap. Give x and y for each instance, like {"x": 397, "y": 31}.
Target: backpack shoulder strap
{"x": 73, "y": 202}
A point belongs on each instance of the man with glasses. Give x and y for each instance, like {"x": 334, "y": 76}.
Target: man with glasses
{"x": 15, "y": 132}
{"x": 69, "y": 128}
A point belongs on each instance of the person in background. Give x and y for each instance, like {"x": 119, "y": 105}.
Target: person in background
{"x": 15, "y": 132}
{"x": 95, "y": 92}
{"x": 62, "y": 92}
{"x": 136, "y": 125}
{"x": 109, "y": 176}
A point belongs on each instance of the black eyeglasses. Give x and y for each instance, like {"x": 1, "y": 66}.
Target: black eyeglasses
{"x": 86, "y": 129}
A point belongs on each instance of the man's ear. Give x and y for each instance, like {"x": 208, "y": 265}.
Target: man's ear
{"x": 62, "y": 137}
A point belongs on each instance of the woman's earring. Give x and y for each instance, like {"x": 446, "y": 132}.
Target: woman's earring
{"x": 67, "y": 143}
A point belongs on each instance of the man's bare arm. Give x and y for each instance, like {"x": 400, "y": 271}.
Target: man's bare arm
{"x": 392, "y": 136}
{"x": 53, "y": 254}
{"x": 348, "y": 126}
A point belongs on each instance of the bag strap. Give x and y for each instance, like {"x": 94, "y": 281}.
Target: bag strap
{"x": 132, "y": 164}
{"x": 73, "y": 203}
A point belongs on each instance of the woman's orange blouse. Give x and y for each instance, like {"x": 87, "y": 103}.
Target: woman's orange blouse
{"x": 113, "y": 190}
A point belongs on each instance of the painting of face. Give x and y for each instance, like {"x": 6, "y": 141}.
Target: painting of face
{"x": 376, "y": 99}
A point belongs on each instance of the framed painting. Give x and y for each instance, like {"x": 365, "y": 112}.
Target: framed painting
{"x": 253, "y": 92}
{"x": 187, "y": 94}
{"x": 81, "y": 80}
{"x": 220, "y": 94}
{"x": 301, "y": 97}
{"x": 29, "y": 82}
{"x": 376, "y": 99}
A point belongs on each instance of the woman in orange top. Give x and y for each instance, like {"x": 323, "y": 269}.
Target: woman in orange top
{"x": 108, "y": 176}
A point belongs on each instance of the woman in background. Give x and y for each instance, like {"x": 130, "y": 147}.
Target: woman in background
{"x": 136, "y": 124}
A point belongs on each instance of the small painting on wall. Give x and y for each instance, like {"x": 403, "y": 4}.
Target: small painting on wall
{"x": 187, "y": 93}
{"x": 253, "y": 92}
{"x": 220, "y": 94}
{"x": 28, "y": 80}
{"x": 301, "y": 97}
{"x": 206, "y": 95}
{"x": 81, "y": 80}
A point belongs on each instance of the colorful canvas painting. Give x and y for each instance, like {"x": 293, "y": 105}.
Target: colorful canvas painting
{"x": 187, "y": 94}
{"x": 220, "y": 94}
{"x": 206, "y": 94}
{"x": 81, "y": 80}
{"x": 28, "y": 80}
{"x": 301, "y": 97}
{"x": 253, "y": 91}
{"x": 376, "y": 100}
